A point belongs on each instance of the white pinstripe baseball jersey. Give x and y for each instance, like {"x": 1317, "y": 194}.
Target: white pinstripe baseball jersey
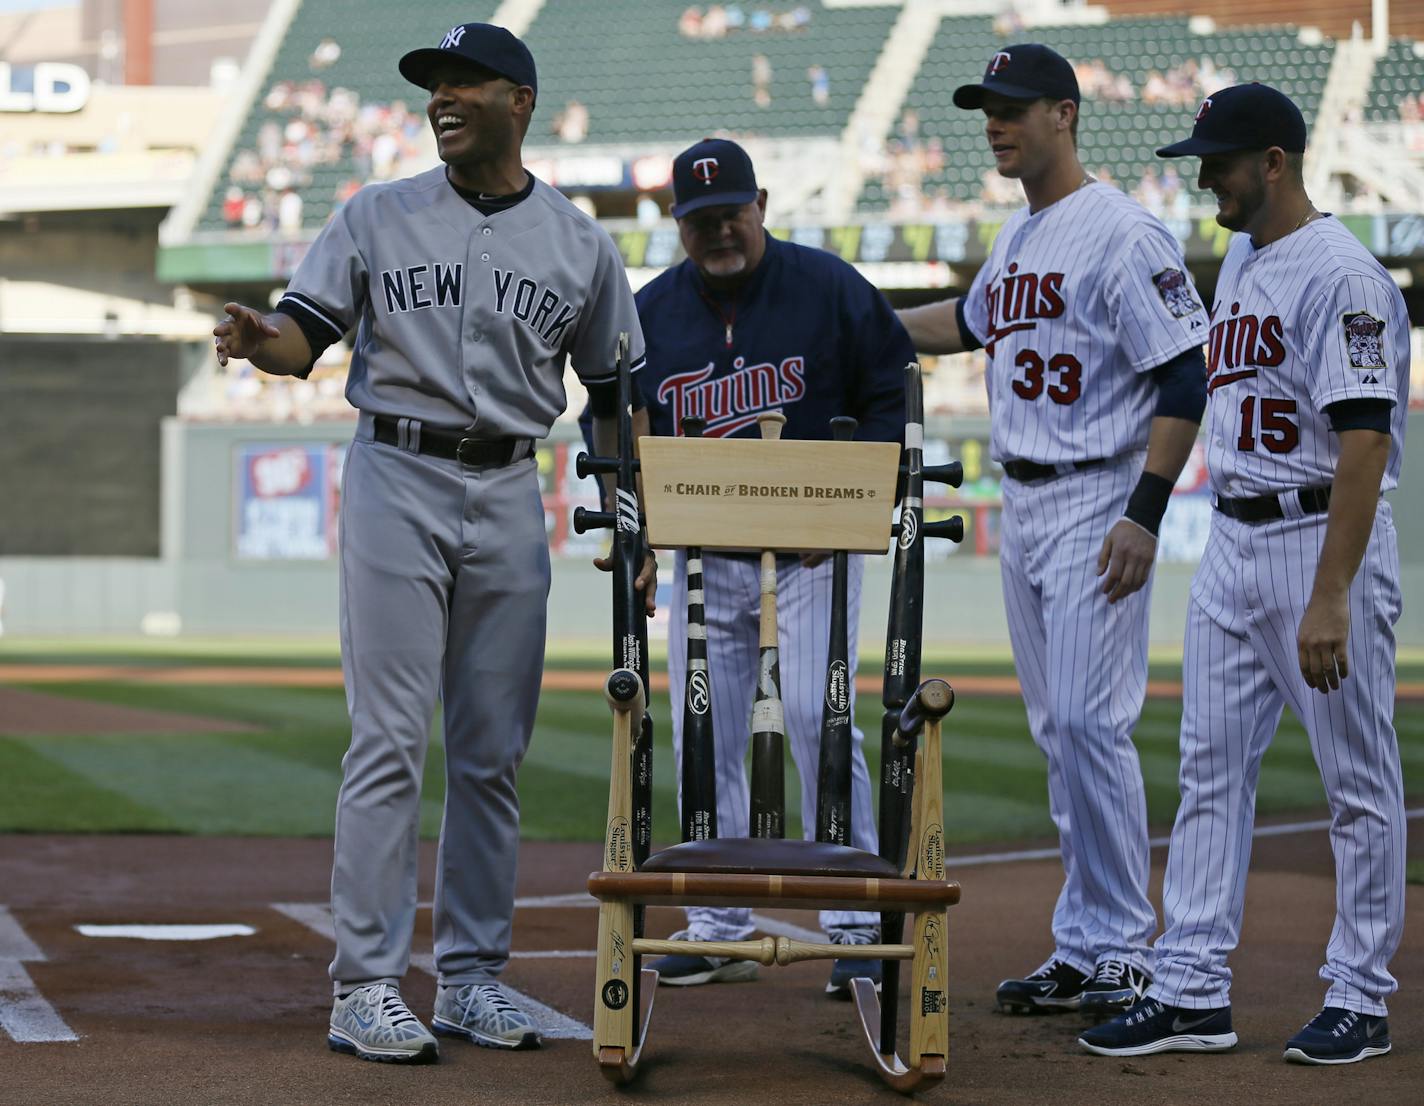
{"x": 1076, "y": 303}
{"x": 1308, "y": 321}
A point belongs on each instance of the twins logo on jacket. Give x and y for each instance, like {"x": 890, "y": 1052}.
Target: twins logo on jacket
{"x": 1076, "y": 305}
{"x": 1288, "y": 338}
{"x": 805, "y": 336}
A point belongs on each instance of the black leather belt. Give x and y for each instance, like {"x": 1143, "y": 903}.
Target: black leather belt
{"x": 1032, "y": 470}
{"x": 1267, "y": 508}
{"x": 454, "y": 446}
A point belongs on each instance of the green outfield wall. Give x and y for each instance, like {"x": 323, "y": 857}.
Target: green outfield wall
{"x": 247, "y": 540}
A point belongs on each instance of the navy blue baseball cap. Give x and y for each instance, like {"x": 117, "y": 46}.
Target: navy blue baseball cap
{"x": 1027, "y": 71}
{"x": 716, "y": 171}
{"x": 481, "y": 44}
{"x": 1243, "y": 117}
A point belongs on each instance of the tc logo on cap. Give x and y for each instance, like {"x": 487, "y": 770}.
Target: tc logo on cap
{"x": 705, "y": 169}
{"x": 998, "y": 61}
{"x": 1205, "y": 107}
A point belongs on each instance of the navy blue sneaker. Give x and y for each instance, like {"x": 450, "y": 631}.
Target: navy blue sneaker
{"x": 1115, "y": 988}
{"x": 845, "y": 968}
{"x": 1053, "y": 988}
{"x": 1339, "y": 1036}
{"x": 1151, "y": 1026}
{"x": 681, "y": 970}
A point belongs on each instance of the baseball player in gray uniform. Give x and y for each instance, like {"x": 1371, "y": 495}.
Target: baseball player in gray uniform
{"x": 1096, "y": 388}
{"x": 468, "y": 286}
{"x": 1296, "y": 596}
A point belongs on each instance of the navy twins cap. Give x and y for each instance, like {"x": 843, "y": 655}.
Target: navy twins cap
{"x": 1027, "y": 71}
{"x": 1243, "y": 117}
{"x": 716, "y": 171}
{"x": 481, "y": 44}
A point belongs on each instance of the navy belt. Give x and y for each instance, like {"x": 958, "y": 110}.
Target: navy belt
{"x": 1267, "y": 508}
{"x": 1032, "y": 470}
{"x": 452, "y": 445}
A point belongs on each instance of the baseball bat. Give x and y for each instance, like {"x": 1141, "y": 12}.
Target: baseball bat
{"x": 902, "y": 676}
{"x": 904, "y": 632}
{"x": 699, "y": 759}
{"x": 615, "y": 1021}
{"x": 630, "y": 619}
{"x": 768, "y": 786}
{"x": 630, "y": 628}
{"x": 833, "y": 777}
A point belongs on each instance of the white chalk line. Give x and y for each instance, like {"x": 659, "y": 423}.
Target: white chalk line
{"x": 25, "y": 1015}
{"x": 1283, "y": 830}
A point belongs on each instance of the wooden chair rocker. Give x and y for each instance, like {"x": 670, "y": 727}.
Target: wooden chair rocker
{"x": 793, "y": 496}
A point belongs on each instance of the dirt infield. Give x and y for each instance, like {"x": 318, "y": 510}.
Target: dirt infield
{"x": 35, "y": 713}
{"x": 241, "y": 1020}
{"x": 554, "y": 679}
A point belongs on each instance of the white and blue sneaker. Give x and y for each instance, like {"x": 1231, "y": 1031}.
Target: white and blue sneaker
{"x": 374, "y": 1023}
{"x": 845, "y": 968}
{"x": 685, "y": 970}
{"x": 1151, "y": 1026}
{"x": 481, "y": 1013}
{"x": 1115, "y": 987}
{"x": 1339, "y": 1036}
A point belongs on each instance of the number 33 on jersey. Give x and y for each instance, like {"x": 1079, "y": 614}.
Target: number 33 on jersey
{"x": 1308, "y": 321}
{"x": 1075, "y": 306}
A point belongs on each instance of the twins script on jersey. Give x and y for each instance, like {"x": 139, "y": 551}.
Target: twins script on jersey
{"x": 1307, "y": 321}
{"x": 1076, "y": 303}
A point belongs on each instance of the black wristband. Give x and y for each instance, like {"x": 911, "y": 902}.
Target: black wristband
{"x": 1148, "y": 502}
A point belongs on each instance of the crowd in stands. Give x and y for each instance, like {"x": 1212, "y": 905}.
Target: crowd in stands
{"x": 311, "y": 126}
{"x": 909, "y": 163}
{"x": 721, "y": 20}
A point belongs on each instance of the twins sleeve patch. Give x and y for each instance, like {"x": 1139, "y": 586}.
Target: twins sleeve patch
{"x": 1176, "y": 292}
{"x": 1364, "y": 339}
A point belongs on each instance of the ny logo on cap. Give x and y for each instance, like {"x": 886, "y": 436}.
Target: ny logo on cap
{"x": 1205, "y": 107}
{"x": 998, "y": 61}
{"x": 453, "y": 37}
{"x": 705, "y": 169}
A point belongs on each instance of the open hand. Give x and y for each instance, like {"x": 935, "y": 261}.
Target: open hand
{"x": 241, "y": 332}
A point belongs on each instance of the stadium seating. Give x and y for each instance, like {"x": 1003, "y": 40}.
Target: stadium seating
{"x": 371, "y": 35}
{"x": 1117, "y": 137}
{"x": 1399, "y": 73}
{"x": 643, "y": 80}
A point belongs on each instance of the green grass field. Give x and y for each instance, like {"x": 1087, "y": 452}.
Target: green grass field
{"x": 282, "y": 778}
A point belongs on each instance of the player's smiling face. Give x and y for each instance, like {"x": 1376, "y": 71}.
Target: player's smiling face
{"x": 726, "y": 241}
{"x": 1021, "y": 133}
{"x": 1238, "y": 181}
{"x": 473, "y": 112}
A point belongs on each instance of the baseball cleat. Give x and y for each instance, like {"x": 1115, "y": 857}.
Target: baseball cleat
{"x": 1053, "y": 988}
{"x": 1339, "y": 1036}
{"x": 374, "y": 1023}
{"x": 680, "y": 970}
{"x": 479, "y": 1012}
{"x": 844, "y": 970}
{"x": 1152, "y": 1026}
{"x": 1115, "y": 987}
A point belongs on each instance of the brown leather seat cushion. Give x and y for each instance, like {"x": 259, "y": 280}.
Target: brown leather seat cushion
{"x": 770, "y": 856}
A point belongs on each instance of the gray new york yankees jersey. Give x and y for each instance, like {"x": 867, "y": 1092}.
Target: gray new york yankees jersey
{"x": 1074, "y": 306}
{"x": 464, "y": 320}
{"x": 1307, "y": 321}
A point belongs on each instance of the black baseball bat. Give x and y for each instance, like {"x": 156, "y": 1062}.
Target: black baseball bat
{"x": 630, "y": 618}
{"x": 768, "y": 785}
{"x": 699, "y": 759}
{"x": 833, "y": 778}
{"x": 902, "y": 676}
